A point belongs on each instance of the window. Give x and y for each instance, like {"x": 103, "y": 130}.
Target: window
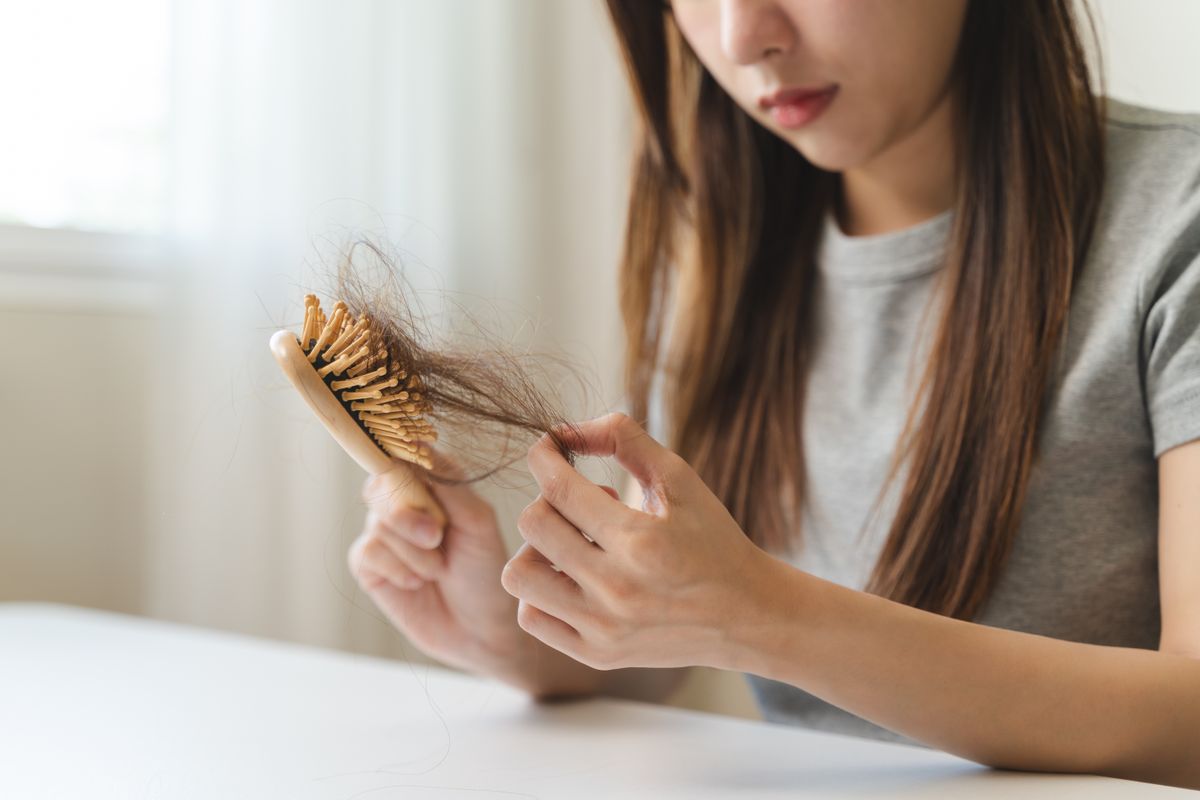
{"x": 85, "y": 88}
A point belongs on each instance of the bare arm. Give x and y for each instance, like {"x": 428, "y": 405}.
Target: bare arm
{"x": 1002, "y": 697}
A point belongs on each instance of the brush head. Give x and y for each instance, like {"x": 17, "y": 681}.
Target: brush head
{"x": 386, "y": 402}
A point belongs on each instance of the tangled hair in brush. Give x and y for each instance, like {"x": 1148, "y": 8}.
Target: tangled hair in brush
{"x": 483, "y": 397}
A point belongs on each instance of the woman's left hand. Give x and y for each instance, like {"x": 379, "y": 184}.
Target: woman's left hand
{"x": 662, "y": 587}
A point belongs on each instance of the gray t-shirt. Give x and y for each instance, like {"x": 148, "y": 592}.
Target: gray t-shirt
{"x": 1084, "y": 563}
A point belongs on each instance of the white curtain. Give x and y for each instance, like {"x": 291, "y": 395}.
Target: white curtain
{"x": 485, "y": 139}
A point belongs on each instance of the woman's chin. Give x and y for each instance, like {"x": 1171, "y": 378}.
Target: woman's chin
{"x": 826, "y": 150}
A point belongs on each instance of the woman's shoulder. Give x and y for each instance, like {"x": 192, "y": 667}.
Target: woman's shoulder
{"x": 1146, "y": 248}
{"x": 1138, "y": 299}
{"x": 1123, "y": 114}
{"x": 1153, "y": 156}
{"x": 1150, "y": 214}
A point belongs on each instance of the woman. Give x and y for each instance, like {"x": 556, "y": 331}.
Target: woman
{"x": 926, "y": 315}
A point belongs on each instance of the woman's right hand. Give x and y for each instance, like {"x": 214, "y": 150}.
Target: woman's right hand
{"x": 441, "y": 589}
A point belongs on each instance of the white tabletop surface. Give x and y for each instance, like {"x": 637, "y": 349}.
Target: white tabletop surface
{"x": 97, "y": 705}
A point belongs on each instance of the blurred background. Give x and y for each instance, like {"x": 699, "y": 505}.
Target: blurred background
{"x": 175, "y": 174}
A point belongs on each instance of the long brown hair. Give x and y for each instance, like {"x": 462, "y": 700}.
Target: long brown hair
{"x": 729, "y": 215}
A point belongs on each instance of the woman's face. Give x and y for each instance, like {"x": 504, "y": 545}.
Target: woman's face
{"x": 841, "y": 80}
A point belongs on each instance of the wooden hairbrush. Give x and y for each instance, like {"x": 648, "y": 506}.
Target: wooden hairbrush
{"x": 371, "y": 405}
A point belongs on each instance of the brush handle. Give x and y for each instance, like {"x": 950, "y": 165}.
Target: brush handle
{"x": 399, "y": 481}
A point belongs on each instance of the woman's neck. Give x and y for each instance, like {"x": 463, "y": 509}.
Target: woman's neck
{"x": 906, "y": 184}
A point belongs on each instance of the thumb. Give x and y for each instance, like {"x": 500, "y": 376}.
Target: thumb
{"x": 381, "y": 490}
{"x": 462, "y": 504}
{"x": 618, "y": 435}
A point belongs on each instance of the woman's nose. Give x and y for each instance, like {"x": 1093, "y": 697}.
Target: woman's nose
{"x": 752, "y": 30}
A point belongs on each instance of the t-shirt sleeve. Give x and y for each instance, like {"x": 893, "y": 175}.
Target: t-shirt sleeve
{"x": 1171, "y": 338}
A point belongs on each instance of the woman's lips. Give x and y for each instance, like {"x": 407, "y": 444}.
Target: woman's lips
{"x": 795, "y": 108}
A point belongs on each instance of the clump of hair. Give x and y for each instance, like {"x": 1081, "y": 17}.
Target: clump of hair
{"x": 482, "y": 399}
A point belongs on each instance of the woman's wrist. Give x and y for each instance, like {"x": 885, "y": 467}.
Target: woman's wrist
{"x": 766, "y": 612}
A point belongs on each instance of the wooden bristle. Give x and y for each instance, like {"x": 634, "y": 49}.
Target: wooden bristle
{"x": 351, "y": 357}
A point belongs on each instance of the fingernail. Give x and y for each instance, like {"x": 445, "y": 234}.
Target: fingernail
{"x": 429, "y": 532}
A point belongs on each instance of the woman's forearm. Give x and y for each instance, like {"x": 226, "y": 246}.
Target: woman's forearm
{"x": 999, "y": 697}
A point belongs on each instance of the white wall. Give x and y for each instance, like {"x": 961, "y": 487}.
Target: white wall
{"x": 73, "y": 456}
{"x": 1151, "y": 52}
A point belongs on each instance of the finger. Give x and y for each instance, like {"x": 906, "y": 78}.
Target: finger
{"x": 584, "y": 504}
{"x": 370, "y": 581}
{"x": 549, "y": 629}
{"x": 464, "y": 507}
{"x": 414, "y": 526}
{"x": 558, "y": 540}
{"x": 370, "y": 556}
{"x": 530, "y": 576}
{"x": 618, "y": 435}
{"x": 383, "y": 496}
{"x": 429, "y": 564}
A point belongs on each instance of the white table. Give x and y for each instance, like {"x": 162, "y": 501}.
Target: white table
{"x": 97, "y": 705}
